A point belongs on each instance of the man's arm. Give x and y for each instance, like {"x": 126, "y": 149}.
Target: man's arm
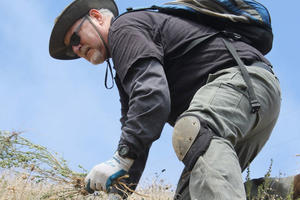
{"x": 123, "y": 100}
{"x": 148, "y": 104}
{"x": 148, "y": 110}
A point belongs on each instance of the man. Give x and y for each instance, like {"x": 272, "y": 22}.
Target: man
{"x": 202, "y": 93}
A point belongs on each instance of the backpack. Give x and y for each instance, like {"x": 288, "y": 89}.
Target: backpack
{"x": 246, "y": 20}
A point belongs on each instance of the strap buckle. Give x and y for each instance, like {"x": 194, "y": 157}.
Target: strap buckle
{"x": 232, "y": 35}
{"x": 255, "y": 105}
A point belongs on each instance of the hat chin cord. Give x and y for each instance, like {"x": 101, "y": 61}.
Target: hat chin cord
{"x": 108, "y": 55}
{"x": 100, "y": 35}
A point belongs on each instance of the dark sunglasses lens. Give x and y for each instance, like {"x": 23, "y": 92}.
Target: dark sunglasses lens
{"x": 75, "y": 40}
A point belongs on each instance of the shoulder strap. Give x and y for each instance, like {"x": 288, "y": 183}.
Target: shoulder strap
{"x": 252, "y": 97}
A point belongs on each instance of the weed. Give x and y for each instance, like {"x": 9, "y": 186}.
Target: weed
{"x": 31, "y": 171}
{"x": 268, "y": 188}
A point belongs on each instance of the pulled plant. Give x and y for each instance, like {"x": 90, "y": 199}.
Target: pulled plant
{"x": 36, "y": 162}
{"x": 33, "y": 169}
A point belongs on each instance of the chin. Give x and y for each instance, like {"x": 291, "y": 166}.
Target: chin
{"x": 96, "y": 58}
{"x": 96, "y": 62}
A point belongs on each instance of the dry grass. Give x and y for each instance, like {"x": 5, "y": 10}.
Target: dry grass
{"x": 23, "y": 187}
{"x": 32, "y": 172}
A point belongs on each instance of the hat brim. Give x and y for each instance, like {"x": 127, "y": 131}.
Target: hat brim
{"x": 67, "y": 18}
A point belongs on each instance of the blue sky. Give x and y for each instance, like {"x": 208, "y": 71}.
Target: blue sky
{"x": 64, "y": 105}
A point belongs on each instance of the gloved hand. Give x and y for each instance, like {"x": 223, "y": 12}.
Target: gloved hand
{"x": 112, "y": 196}
{"x": 101, "y": 177}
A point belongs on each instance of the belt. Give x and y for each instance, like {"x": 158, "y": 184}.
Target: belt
{"x": 262, "y": 65}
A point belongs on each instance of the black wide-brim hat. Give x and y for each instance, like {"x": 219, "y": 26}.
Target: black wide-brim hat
{"x": 72, "y": 13}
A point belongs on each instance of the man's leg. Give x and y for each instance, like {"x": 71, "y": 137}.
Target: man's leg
{"x": 216, "y": 173}
{"x": 279, "y": 186}
{"x": 223, "y": 103}
{"x": 297, "y": 187}
{"x": 182, "y": 191}
{"x": 283, "y": 187}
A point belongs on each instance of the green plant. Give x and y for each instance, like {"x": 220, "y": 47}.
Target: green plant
{"x": 265, "y": 191}
{"x": 31, "y": 171}
{"x": 37, "y": 163}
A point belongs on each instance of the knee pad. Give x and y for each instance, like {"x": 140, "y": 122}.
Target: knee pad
{"x": 191, "y": 138}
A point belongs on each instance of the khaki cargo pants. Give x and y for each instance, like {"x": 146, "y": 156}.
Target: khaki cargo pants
{"x": 223, "y": 103}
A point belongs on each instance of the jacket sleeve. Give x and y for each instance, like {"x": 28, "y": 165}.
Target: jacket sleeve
{"x": 145, "y": 101}
{"x": 123, "y": 101}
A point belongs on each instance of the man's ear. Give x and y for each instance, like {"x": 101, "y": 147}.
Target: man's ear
{"x": 97, "y": 15}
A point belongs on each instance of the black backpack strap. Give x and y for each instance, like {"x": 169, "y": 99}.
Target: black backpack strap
{"x": 154, "y": 7}
{"x": 252, "y": 97}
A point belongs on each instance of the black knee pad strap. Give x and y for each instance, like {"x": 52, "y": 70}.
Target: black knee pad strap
{"x": 200, "y": 144}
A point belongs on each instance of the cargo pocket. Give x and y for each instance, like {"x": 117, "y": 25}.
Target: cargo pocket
{"x": 232, "y": 89}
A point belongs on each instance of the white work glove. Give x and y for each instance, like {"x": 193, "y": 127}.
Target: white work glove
{"x": 114, "y": 197}
{"x": 102, "y": 176}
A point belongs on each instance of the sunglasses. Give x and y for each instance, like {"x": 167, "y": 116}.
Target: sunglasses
{"x": 75, "y": 38}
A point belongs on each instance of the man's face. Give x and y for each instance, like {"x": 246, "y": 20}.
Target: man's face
{"x": 87, "y": 43}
